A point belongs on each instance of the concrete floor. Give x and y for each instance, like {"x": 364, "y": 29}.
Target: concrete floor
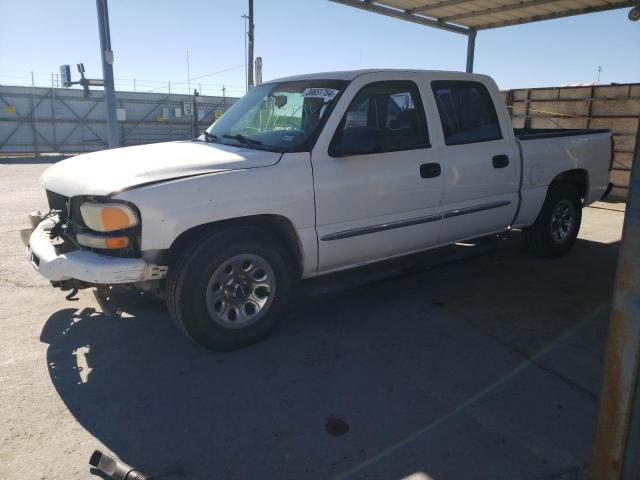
{"x": 470, "y": 362}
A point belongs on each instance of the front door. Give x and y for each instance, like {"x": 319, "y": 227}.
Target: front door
{"x": 377, "y": 183}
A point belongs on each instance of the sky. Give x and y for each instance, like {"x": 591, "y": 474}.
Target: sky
{"x": 150, "y": 40}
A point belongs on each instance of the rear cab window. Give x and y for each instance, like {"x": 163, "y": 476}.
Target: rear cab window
{"x": 392, "y": 111}
{"x": 467, "y": 112}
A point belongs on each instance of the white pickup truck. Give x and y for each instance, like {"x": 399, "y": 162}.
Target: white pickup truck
{"x": 309, "y": 175}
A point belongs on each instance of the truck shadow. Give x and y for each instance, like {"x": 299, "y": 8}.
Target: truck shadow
{"x": 364, "y": 360}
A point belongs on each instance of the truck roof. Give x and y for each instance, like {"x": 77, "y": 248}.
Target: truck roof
{"x": 351, "y": 74}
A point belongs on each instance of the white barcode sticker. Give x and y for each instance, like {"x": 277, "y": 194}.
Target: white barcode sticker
{"x": 327, "y": 94}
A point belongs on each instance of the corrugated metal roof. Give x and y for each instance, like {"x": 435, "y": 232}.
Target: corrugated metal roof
{"x": 483, "y": 14}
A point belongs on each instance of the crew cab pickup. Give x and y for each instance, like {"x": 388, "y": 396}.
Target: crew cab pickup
{"x": 308, "y": 175}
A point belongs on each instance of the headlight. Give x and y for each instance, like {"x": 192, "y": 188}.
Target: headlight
{"x": 108, "y": 217}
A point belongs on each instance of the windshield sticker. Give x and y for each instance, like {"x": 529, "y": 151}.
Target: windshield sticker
{"x": 287, "y": 138}
{"x": 327, "y": 94}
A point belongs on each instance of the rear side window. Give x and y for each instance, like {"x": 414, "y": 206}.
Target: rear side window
{"x": 466, "y": 111}
{"x": 383, "y": 117}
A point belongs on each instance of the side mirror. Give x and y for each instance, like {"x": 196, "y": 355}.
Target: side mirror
{"x": 357, "y": 141}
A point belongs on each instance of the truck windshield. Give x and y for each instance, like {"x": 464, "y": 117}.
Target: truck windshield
{"x": 285, "y": 116}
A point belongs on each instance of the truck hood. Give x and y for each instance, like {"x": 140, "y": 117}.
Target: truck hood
{"x": 109, "y": 171}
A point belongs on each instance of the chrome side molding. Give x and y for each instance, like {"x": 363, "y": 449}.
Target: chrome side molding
{"x": 413, "y": 221}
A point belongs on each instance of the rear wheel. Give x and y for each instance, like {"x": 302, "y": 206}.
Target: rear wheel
{"x": 229, "y": 290}
{"x": 556, "y": 228}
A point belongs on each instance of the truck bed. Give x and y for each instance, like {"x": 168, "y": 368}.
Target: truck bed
{"x": 547, "y": 152}
{"x": 538, "y": 133}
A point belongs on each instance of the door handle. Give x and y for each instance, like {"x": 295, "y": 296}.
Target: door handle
{"x": 500, "y": 161}
{"x": 430, "y": 170}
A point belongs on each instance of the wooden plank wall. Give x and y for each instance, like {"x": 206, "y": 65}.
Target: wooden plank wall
{"x": 616, "y": 107}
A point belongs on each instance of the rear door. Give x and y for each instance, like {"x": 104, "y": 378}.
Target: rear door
{"x": 479, "y": 158}
{"x": 377, "y": 182}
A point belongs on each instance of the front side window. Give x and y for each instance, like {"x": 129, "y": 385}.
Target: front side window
{"x": 383, "y": 117}
{"x": 284, "y": 116}
{"x": 466, "y": 111}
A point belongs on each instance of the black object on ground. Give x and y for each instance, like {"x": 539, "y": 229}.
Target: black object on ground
{"x": 115, "y": 468}
{"x": 336, "y": 426}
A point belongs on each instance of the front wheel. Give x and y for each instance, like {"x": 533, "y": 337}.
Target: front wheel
{"x": 556, "y": 228}
{"x": 230, "y": 289}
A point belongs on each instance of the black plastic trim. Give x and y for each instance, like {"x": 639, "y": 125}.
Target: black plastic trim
{"x": 540, "y": 133}
{"x": 607, "y": 192}
{"x": 520, "y": 180}
{"x": 430, "y": 170}
{"x": 500, "y": 161}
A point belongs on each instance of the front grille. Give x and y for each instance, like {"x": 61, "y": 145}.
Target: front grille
{"x": 69, "y": 209}
{"x": 58, "y": 202}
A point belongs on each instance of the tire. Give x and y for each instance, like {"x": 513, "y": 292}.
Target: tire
{"x": 244, "y": 270}
{"x": 556, "y": 228}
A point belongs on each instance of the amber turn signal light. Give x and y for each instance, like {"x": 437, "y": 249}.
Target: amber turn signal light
{"x": 107, "y": 243}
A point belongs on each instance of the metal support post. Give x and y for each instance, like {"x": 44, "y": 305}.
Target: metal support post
{"x": 34, "y": 117}
{"x": 616, "y": 454}
{"x": 194, "y": 125}
{"x": 106, "y": 54}
{"x": 53, "y": 114}
{"x": 471, "y": 50}
{"x": 171, "y": 112}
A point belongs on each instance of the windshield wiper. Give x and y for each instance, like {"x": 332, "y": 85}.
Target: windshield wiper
{"x": 209, "y": 137}
{"x": 243, "y": 139}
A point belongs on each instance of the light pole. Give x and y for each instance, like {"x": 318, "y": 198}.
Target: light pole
{"x": 106, "y": 54}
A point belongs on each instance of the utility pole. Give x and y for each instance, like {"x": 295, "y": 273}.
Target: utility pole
{"x": 106, "y": 54}
{"x": 224, "y": 100}
{"x": 246, "y": 75}
{"x": 258, "y": 71}
{"x": 250, "y": 58}
{"x": 188, "y": 76}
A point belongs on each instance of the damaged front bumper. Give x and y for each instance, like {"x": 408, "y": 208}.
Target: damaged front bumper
{"x": 58, "y": 264}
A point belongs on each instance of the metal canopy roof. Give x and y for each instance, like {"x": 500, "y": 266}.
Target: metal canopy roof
{"x": 483, "y": 14}
{"x": 468, "y": 16}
